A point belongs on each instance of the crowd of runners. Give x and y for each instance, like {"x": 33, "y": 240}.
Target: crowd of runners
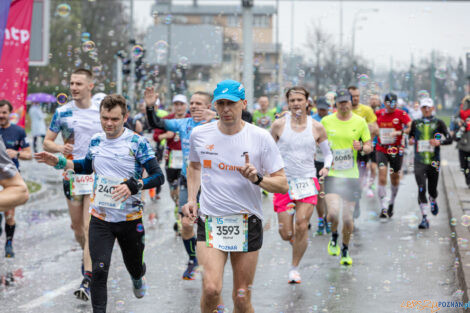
{"x": 220, "y": 160}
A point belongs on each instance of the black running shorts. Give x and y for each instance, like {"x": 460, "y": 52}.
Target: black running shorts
{"x": 395, "y": 160}
{"x": 255, "y": 232}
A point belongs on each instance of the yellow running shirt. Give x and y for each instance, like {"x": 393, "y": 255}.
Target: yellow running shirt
{"x": 366, "y": 112}
{"x": 340, "y": 136}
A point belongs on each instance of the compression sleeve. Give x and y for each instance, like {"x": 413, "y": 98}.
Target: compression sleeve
{"x": 326, "y": 151}
{"x": 445, "y": 132}
{"x": 155, "y": 177}
{"x": 83, "y": 166}
{"x": 153, "y": 119}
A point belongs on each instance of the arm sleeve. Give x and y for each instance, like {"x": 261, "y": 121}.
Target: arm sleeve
{"x": 442, "y": 128}
{"x": 83, "y": 166}
{"x": 153, "y": 119}
{"x": 326, "y": 151}
{"x": 412, "y": 130}
{"x": 155, "y": 177}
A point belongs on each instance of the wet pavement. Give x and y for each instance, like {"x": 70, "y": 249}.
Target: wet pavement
{"x": 393, "y": 262}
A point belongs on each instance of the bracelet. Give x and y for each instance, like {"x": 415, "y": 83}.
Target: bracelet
{"x": 61, "y": 164}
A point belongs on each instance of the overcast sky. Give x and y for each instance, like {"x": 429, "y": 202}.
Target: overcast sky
{"x": 397, "y": 30}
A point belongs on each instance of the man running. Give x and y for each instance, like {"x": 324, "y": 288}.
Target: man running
{"x": 393, "y": 123}
{"x": 78, "y": 121}
{"x": 118, "y": 157}
{"x": 264, "y": 117}
{"x": 348, "y": 135}
{"x": 14, "y": 138}
{"x": 427, "y": 134}
{"x": 199, "y": 108}
{"x": 323, "y": 109}
{"x": 367, "y": 113}
{"x": 173, "y": 153}
{"x": 297, "y": 136}
{"x": 228, "y": 160}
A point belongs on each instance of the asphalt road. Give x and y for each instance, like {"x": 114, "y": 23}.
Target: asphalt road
{"x": 393, "y": 262}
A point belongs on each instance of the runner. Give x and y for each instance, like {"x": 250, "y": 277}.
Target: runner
{"x": 427, "y": 134}
{"x": 375, "y": 104}
{"x": 228, "y": 159}
{"x": 264, "y": 117}
{"x": 14, "y": 191}
{"x": 348, "y": 134}
{"x": 14, "y": 138}
{"x": 393, "y": 123}
{"x": 323, "y": 109}
{"x": 173, "y": 153}
{"x": 297, "y": 136}
{"x": 367, "y": 113}
{"x": 116, "y": 209}
{"x": 199, "y": 108}
{"x": 462, "y": 136}
{"x": 78, "y": 121}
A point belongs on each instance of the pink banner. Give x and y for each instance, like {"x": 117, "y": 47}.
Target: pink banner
{"x": 14, "y": 63}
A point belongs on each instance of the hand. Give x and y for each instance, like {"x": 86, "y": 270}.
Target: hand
{"x": 67, "y": 149}
{"x": 248, "y": 170}
{"x": 203, "y": 116}
{"x": 324, "y": 172}
{"x": 121, "y": 192}
{"x": 12, "y": 153}
{"x": 435, "y": 143}
{"x": 47, "y": 158}
{"x": 150, "y": 96}
{"x": 190, "y": 210}
{"x": 357, "y": 145}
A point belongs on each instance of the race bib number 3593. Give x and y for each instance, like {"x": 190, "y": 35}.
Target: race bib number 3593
{"x": 104, "y": 186}
{"x": 228, "y": 233}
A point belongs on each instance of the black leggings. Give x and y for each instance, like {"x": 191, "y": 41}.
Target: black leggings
{"x": 423, "y": 172}
{"x": 130, "y": 236}
{"x": 464, "y": 159}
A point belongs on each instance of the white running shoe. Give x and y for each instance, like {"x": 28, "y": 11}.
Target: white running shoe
{"x": 294, "y": 277}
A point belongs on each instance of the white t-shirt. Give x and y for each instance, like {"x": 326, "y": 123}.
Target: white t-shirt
{"x": 77, "y": 126}
{"x": 224, "y": 191}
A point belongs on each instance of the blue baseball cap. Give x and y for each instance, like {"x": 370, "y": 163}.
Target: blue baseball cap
{"x": 229, "y": 90}
{"x": 342, "y": 95}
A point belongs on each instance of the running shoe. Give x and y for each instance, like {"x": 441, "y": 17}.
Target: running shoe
{"x": 294, "y": 277}
{"x": 83, "y": 292}
{"x": 9, "y": 249}
{"x": 345, "y": 258}
{"x": 357, "y": 210}
{"x": 424, "y": 223}
{"x": 434, "y": 208}
{"x": 370, "y": 193}
{"x": 190, "y": 272}
{"x": 321, "y": 227}
{"x": 328, "y": 228}
{"x": 390, "y": 210}
{"x": 383, "y": 213}
{"x": 139, "y": 287}
{"x": 333, "y": 248}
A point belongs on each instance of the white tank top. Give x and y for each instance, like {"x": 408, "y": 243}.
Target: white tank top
{"x": 298, "y": 150}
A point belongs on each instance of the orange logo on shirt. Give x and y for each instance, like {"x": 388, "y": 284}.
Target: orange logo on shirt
{"x": 207, "y": 163}
{"x": 228, "y": 167}
{"x": 210, "y": 147}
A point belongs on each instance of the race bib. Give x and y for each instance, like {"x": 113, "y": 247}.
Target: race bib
{"x": 343, "y": 159}
{"x": 301, "y": 188}
{"x": 104, "y": 187}
{"x": 81, "y": 184}
{"x": 228, "y": 233}
{"x": 386, "y": 137}
{"x": 175, "y": 159}
{"x": 425, "y": 146}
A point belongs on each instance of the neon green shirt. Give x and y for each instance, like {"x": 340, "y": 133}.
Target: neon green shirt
{"x": 264, "y": 120}
{"x": 340, "y": 136}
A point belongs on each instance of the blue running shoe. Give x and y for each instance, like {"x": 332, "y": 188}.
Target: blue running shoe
{"x": 83, "y": 292}
{"x": 9, "y": 250}
{"x": 434, "y": 208}
{"x": 189, "y": 273}
{"x": 321, "y": 227}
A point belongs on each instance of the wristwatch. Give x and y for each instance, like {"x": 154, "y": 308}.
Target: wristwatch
{"x": 140, "y": 184}
{"x": 260, "y": 179}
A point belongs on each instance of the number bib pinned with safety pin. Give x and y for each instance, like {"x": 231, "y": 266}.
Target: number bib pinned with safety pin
{"x": 228, "y": 233}
{"x": 104, "y": 186}
{"x": 301, "y": 188}
{"x": 81, "y": 184}
{"x": 425, "y": 146}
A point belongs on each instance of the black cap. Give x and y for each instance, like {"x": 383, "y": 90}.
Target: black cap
{"x": 322, "y": 103}
{"x": 391, "y": 97}
{"x": 343, "y": 95}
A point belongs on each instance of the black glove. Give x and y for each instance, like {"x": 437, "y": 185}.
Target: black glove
{"x": 132, "y": 185}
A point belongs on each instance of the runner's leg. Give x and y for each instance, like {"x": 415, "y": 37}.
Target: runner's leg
{"x": 303, "y": 212}
{"x": 244, "y": 268}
